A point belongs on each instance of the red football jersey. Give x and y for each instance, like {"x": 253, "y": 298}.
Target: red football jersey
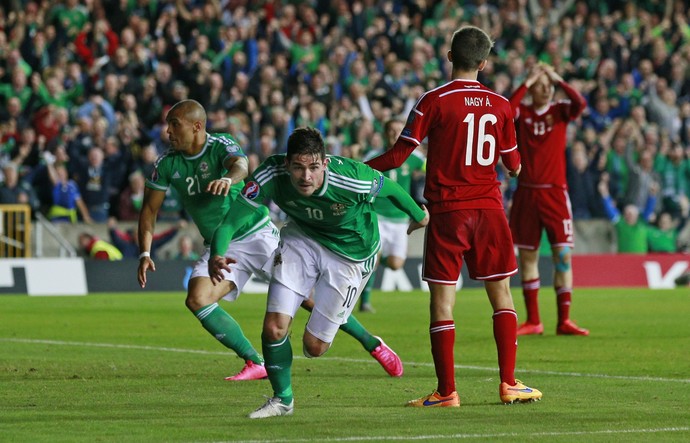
{"x": 542, "y": 137}
{"x": 468, "y": 127}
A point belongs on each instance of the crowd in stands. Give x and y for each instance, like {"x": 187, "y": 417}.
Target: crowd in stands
{"x": 84, "y": 88}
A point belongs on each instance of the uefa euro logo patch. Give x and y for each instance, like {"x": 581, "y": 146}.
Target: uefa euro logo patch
{"x": 251, "y": 190}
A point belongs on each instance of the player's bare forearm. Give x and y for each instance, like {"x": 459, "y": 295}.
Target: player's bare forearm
{"x": 153, "y": 200}
{"x": 238, "y": 169}
{"x": 147, "y": 224}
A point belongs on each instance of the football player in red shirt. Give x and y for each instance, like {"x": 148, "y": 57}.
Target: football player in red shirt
{"x": 541, "y": 200}
{"x": 469, "y": 127}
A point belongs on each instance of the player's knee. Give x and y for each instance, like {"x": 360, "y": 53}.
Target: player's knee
{"x": 562, "y": 260}
{"x": 313, "y": 350}
{"x": 312, "y": 347}
{"x": 273, "y": 331}
{"x": 193, "y": 303}
{"x": 395, "y": 263}
{"x": 307, "y": 353}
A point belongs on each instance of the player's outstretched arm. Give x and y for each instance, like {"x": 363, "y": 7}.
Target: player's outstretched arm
{"x": 241, "y": 214}
{"x": 400, "y": 198}
{"x": 153, "y": 200}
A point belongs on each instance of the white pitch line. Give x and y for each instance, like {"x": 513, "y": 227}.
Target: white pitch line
{"x": 525, "y": 436}
{"x": 352, "y": 360}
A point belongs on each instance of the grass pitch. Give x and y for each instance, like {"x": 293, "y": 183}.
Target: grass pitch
{"x": 139, "y": 368}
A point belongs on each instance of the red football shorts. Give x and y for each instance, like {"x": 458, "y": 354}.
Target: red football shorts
{"x": 480, "y": 237}
{"x": 535, "y": 209}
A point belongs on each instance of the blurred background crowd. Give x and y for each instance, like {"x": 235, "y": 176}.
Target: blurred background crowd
{"x": 85, "y": 86}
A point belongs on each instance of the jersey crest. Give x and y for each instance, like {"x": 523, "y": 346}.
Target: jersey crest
{"x": 251, "y": 190}
{"x": 338, "y": 209}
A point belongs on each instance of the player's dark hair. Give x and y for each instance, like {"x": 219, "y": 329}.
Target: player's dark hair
{"x": 305, "y": 140}
{"x": 469, "y": 47}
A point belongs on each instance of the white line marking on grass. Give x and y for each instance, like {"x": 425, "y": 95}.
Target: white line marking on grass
{"x": 351, "y": 360}
{"x": 525, "y": 436}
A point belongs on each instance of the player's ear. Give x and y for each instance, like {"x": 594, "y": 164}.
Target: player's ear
{"x": 449, "y": 56}
{"x": 482, "y": 65}
{"x": 326, "y": 161}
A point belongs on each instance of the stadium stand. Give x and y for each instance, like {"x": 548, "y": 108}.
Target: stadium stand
{"x": 85, "y": 80}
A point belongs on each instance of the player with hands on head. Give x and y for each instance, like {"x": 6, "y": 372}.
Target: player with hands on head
{"x": 541, "y": 200}
{"x": 328, "y": 246}
{"x": 468, "y": 127}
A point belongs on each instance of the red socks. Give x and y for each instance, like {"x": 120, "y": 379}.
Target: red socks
{"x": 505, "y": 334}
{"x": 442, "y": 335}
{"x": 530, "y": 291}
{"x": 563, "y": 298}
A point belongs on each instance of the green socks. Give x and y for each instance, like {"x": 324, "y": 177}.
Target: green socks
{"x": 354, "y": 328}
{"x": 365, "y": 296}
{"x": 279, "y": 366}
{"x": 227, "y": 331}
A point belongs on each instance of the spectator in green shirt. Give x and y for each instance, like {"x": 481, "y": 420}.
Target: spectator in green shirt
{"x": 18, "y": 88}
{"x": 632, "y": 231}
{"x": 663, "y": 237}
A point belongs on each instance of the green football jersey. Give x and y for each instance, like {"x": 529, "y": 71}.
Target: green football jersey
{"x": 339, "y": 216}
{"x": 190, "y": 176}
{"x": 402, "y": 176}
{"x": 632, "y": 239}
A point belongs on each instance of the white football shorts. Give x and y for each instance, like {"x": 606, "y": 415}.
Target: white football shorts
{"x": 393, "y": 237}
{"x": 254, "y": 255}
{"x": 302, "y": 264}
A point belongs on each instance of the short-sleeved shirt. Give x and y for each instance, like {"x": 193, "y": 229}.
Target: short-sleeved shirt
{"x": 541, "y": 137}
{"x": 469, "y": 127}
{"x": 339, "y": 215}
{"x": 402, "y": 176}
{"x": 541, "y": 142}
{"x": 190, "y": 176}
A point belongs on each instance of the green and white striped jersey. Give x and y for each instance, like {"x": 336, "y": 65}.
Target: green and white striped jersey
{"x": 190, "y": 176}
{"x": 339, "y": 216}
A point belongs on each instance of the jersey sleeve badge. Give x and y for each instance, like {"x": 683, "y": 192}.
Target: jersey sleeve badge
{"x": 251, "y": 190}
